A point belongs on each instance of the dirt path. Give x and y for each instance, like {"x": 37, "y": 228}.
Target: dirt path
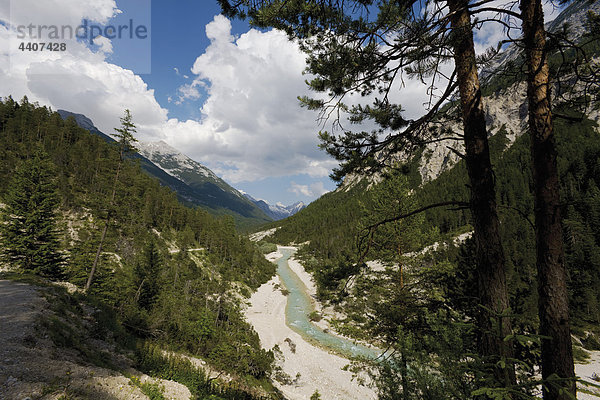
{"x": 33, "y": 367}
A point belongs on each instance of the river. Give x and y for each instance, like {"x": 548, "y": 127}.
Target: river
{"x": 300, "y": 305}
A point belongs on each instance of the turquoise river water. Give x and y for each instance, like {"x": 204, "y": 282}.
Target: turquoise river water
{"x": 299, "y": 306}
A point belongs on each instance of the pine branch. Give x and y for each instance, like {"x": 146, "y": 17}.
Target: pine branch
{"x": 459, "y": 204}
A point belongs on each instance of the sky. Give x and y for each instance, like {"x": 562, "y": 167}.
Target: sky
{"x": 220, "y": 92}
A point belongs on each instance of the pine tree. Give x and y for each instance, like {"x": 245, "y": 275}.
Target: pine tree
{"x": 557, "y": 348}
{"x": 29, "y": 235}
{"x": 125, "y": 141}
{"x": 124, "y": 135}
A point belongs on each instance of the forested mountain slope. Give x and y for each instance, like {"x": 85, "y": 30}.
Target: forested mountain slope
{"x": 194, "y": 186}
{"x": 170, "y": 275}
{"x": 401, "y": 302}
{"x": 210, "y": 190}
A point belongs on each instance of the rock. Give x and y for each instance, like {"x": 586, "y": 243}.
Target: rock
{"x": 10, "y": 381}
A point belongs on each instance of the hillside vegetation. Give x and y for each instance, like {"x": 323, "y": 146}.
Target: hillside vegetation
{"x": 331, "y": 224}
{"x": 194, "y": 184}
{"x": 169, "y": 275}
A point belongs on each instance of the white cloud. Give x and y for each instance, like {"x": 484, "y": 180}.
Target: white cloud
{"x": 551, "y": 10}
{"x": 301, "y": 190}
{"x": 314, "y": 190}
{"x": 57, "y": 12}
{"x": 77, "y": 79}
{"x": 491, "y": 32}
{"x": 188, "y": 91}
{"x": 252, "y": 126}
{"x": 104, "y": 44}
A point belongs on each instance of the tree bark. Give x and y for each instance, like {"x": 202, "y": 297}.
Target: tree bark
{"x": 491, "y": 275}
{"x": 553, "y": 306}
{"x": 404, "y": 371}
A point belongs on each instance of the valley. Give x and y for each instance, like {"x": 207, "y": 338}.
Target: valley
{"x": 302, "y": 200}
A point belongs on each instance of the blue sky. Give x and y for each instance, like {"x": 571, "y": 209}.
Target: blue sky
{"x": 178, "y": 38}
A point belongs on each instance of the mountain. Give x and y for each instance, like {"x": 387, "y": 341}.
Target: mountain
{"x": 277, "y": 211}
{"x": 330, "y": 226}
{"x": 181, "y": 166}
{"x": 163, "y": 268}
{"x": 200, "y": 179}
{"x": 504, "y": 91}
{"x": 197, "y": 175}
{"x": 194, "y": 184}
{"x": 296, "y": 207}
{"x": 574, "y": 17}
{"x": 85, "y": 123}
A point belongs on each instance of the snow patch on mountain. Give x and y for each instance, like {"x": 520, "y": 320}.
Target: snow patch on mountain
{"x": 173, "y": 162}
{"x": 193, "y": 173}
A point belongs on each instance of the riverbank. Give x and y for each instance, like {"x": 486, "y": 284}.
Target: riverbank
{"x": 326, "y": 313}
{"x": 589, "y": 372}
{"x": 317, "y": 368}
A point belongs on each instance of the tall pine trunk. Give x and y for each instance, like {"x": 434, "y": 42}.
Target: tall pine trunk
{"x": 557, "y": 352}
{"x": 103, "y": 236}
{"x": 97, "y": 258}
{"x": 491, "y": 275}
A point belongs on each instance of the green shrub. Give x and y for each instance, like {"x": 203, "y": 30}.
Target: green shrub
{"x": 266, "y": 247}
{"x": 151, "y": 389}
{"x": 315, "y": 316}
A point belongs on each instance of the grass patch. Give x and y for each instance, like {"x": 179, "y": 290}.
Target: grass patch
{"x": 153, "y": 390}
{"x": 152, "y": 361}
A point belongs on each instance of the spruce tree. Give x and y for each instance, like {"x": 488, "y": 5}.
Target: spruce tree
{"x": 124, "y": 135}
{"x": 146, "y": 278}
{"x": 29, "y": 236}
